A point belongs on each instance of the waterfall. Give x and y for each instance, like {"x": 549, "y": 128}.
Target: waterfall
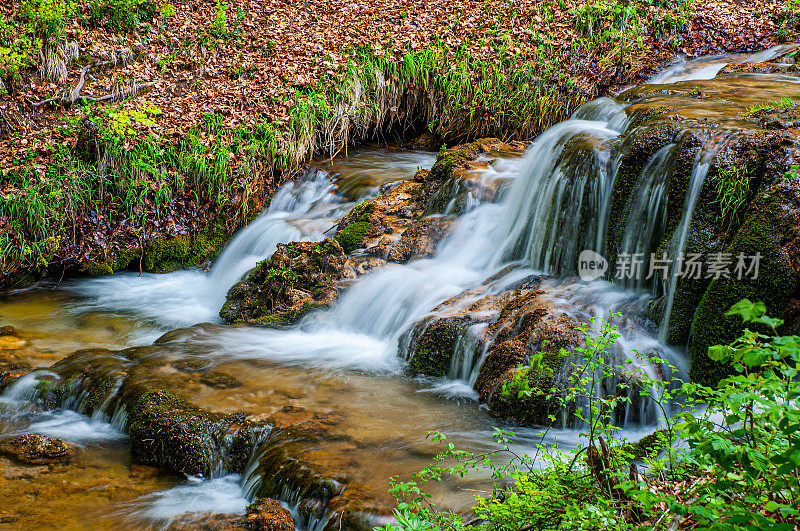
{"x": 557, "y": 204}
{"x": 301, "y": 210}
{"x": 560, "y": 203}
{"x": 700, "y": 167}
{"x": 647, "y": 217}
{"x": 704, "y": 68}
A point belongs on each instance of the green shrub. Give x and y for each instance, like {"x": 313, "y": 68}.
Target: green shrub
{"x": 48, "y": 18}
{"x": 741, "y": 469}
{"x": 123, "y": 15}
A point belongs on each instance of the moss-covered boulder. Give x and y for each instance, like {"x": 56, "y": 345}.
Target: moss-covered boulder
{"x": 297, "y": 278}
{"x": 162, "y": 255}
{"x": 167, "y": 431}
{"x": 771, "y": 230}
{"x": 432, "y": 344}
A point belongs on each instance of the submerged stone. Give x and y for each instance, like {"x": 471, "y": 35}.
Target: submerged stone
{"x": 36, "y": 449}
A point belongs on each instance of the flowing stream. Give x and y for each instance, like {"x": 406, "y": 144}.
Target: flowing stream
{"x": 342, "y": 366}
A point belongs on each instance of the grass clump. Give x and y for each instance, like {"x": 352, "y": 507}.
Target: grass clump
{"x": 732, "y": 187}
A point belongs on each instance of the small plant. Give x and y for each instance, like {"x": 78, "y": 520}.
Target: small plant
{"x": 219, "y": 26}
{"x": 732, "y": 186}
{"x": 792, "y": 173}
{"x": 783, "y": 103}
{"x": 235, "y": 72}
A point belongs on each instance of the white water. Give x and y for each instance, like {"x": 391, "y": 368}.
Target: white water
{"x": 700, "y": 168}
{"x": 704, "y": 68}
{"x": 197, "y": 495}
{"x": 299, "y": 211}
{"x": 552, "y": 210}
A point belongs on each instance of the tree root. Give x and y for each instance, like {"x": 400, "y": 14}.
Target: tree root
{"x": 74, "y": 96}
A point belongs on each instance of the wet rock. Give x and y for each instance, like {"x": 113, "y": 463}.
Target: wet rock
{"x": 36, "y": 449}
{"x": 425, "y": 142}
{"x": 772, "y": 229}
{"x": 268, "y": 515}
{"x": 303, "y": 420}
{"x": 420, "y": 240}
{"x": 432, "y": 345}
{"x": 167, "y": 431}
{"x": 11, "y": 470}
{"x": 7, "y": 331}
{"x": 364, "y": 265}
{"x": 207, "y": 522}
{"x": 220, "y": 380}
{"x": 298, "y": 278}
{"x": 193, "y": 364}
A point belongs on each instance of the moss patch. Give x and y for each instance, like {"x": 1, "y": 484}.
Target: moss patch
{"x": 432, "y": 351}
{"x": 298, "y": 278}
{"x": 352, "y": 236}
{"x": 764, "y": 231}
{"x": 167, "y": 431}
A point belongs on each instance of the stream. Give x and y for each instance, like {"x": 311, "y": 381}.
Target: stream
{"x": 343, "y": 368}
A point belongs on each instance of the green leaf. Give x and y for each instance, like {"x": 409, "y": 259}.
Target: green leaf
{"x": 756, "y": 357}
{"x": 719, "y": 352}
{"x": 747, "y": 310}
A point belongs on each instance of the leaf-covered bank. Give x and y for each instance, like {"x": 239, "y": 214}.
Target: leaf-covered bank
{"x": 166, "y": 125}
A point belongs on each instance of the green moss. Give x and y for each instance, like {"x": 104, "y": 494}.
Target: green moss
{"x": 432, "y": 351}
{"x": 166, "y": 255}
{"x": 450, "y": 159}
{"x": 352, "y": 236}
{"x": 167, "y": 431}
{"x": 288, "y": 316}
{"x": 95, "y": 269}
{"x": 760, "y": 233}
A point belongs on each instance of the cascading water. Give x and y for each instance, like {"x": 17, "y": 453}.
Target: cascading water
{"x": 699, "y": 170}
{"x": 646, "y": 221}
{"x": 554, "y": 203}
{"x": 299, "y": 211}
{"x": 559, "y": 205}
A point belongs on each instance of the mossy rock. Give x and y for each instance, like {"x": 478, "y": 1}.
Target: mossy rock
{"x": 451, "y": 159}
{"x": 352, "y": 236}
{"x": 537, "y": 408}
{"x": 167, "y": 431}
{"x": 432, "y": 346}
{"x": 164, "y": 255}
{"x": 299, "y": 277}
{"x": 770, "y": 229}
{"x": 361, "y": 213}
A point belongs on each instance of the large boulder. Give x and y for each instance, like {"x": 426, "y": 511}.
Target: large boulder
{"x": 771, "y": 230}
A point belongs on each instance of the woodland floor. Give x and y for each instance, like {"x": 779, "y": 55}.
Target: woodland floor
{"x": 289, "y": 44}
